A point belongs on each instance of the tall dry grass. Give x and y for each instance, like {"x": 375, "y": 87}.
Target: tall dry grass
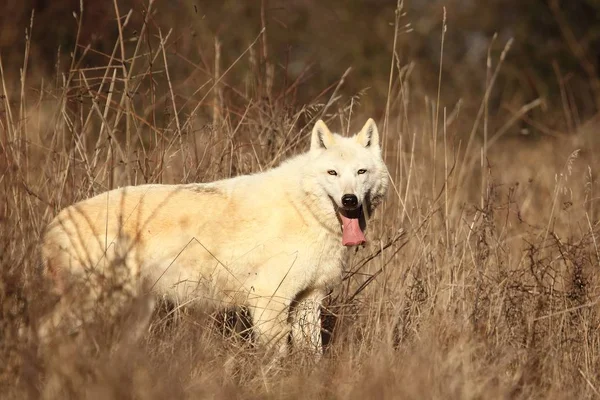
{"x": 479, "y": 279}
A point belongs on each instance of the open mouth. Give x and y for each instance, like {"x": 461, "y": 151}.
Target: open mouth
{"x": 352, "y": 233}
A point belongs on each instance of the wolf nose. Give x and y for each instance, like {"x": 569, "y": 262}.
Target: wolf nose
{"x": 349, "y": 200}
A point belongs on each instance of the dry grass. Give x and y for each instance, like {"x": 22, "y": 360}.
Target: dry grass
{"x": 479, "y": 280}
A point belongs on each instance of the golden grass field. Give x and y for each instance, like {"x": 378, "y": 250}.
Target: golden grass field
{"x": 479, "y": 279}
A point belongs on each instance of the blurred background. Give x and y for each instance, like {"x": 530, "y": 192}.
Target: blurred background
{"x": 554, "y": 56}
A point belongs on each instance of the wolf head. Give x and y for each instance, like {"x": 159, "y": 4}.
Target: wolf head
{"x": 351, "y": 171}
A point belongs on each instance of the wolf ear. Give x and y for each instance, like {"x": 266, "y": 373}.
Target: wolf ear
{"x": 369, "y": 135}
{"x": 322, "y": 138}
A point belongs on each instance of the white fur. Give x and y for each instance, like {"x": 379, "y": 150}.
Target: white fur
{"x": 271, "y": 241}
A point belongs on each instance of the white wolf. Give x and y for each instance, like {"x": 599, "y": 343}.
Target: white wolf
{"x": 272, "y": 241}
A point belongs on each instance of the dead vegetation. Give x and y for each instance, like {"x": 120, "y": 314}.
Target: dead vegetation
{"x": 479, "y": 280}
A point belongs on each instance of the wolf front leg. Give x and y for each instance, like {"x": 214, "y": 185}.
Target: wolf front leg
{"x": 270, "y": 323}
{"x": 306, "y": 322}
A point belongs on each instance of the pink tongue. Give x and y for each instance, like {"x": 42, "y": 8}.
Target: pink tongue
{"x": 352, "y": 235}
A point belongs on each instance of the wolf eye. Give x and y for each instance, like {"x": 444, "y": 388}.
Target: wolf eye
{"x": 361, "y": 171}
{"x": 332, "y": 172}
